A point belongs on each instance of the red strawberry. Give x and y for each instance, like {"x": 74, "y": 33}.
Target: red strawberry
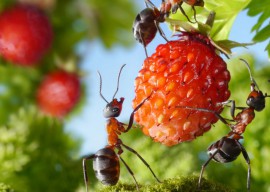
{"x": 25, "y": 34}
{"x": 186, "y": 72}
{"x": 58, "y": 93}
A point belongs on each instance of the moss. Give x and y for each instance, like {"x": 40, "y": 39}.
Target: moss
{"x": 5, "y": 188}
{"x": 179, "y": 184}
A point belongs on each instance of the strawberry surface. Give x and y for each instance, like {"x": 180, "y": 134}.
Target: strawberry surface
{"x": 186, "y": 72}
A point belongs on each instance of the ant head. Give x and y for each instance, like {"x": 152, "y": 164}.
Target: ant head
{"x": 114, "y": 108}
{"x": 256, "y": 99}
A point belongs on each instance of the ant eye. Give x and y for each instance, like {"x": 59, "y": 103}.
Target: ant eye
{"x": 115, "y": 109}
{"x": 251, "y": 99}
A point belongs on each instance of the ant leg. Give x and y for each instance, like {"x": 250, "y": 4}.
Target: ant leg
{"x": 222, "y": 119}
{"x": 131, "y": 119}
{"x": 142, "y": 159}
{"x": 85, "y": 171}
{"x": 233, "y": 107}
{"x": 220, "y": 143}
{"x": 130, "y": 171}
{"x": 143, "y": 43}
{"x": 245, "y": 154}
{"x": 184, "y": 13}
{"x": 160, "y": 31}
{"x": 232, "y": 110}
{"x": 194, "y": 13}
{"x": 204, "y": 166}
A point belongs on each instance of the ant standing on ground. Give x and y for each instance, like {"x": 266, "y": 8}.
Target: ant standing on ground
{"x": 228, "y": 148}
{"x": 106, "y": 161}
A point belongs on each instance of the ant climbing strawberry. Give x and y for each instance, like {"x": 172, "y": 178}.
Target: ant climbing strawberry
{"x": 106, "y": 161}
{"x": 146, "y": 23}
{"x": 228, "y": 148}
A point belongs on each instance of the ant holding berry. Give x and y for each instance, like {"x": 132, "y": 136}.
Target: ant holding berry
{"x": 106, "y": 161}
{"x": 228, "y": 148}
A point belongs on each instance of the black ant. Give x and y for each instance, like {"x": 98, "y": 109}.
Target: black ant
{"x": 177, "y": 4}
{"x": 228, "y": 148}
{"x": 106, "y": 161}
{"x": 146, "y": 24}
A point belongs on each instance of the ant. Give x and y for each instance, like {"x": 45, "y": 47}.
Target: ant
{"x": 146, "y": 23}
{"x": 228, "y": 148}
{"x": 106, "y": 161}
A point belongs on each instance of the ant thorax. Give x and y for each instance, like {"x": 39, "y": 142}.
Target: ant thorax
{"x": 114, "y": 129}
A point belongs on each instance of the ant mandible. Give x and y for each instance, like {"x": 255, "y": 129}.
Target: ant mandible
{"x": 106, "y": 161}
{"x": 146, "y": 23}
{"x": 228, "y": 148}
{"x": 177, "y": 4}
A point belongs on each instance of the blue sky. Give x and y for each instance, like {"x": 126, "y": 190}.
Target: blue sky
{"x": 89, "y": 125}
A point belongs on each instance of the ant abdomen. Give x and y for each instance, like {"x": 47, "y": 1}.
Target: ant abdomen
{"x": 228, "y": 151}
{"x": 144, "y": 27}
{"x": 106, "y": 166}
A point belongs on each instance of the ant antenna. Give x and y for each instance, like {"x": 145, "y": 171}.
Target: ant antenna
{"x": 251, "y": 78}
{"x": 100, "y": 87}
{"x": 118, "y": 79}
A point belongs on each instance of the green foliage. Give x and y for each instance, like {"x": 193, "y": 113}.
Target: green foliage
{"x": 36, "y": 154}
{"x": 226, "y": 12}
{"x": 16, "y": 89}
{"x": 34, "y": 148}
{"x": 187, "y": 158}
{"x": 262, "y": 27}
{"x": 5, "y": 188}
{"x": 178, "y": 184}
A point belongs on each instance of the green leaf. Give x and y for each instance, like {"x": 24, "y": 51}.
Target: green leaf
{"x": 227, "y": 45}
{"x": 226, "y": 12}
{"x": 267, "y": 48}
{"x": 258, "y": 7}
{"x": 263, "y": 34}
{"x": 265, "y": 15}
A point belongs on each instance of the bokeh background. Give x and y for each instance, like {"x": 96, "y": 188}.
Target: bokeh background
{"x": 40, "y": 153}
